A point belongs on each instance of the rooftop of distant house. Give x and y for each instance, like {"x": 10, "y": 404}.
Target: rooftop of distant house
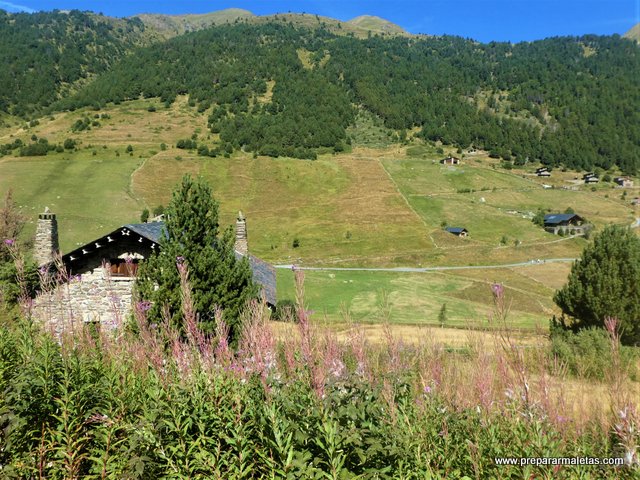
{"x": 558, "y": 218}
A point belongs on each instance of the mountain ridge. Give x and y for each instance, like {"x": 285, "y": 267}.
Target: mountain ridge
{"x": 173, "y": 25}
{"x": 375, "y": 23}
{"x": 633, "y": 33}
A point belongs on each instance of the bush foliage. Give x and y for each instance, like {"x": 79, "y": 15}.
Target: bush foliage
{"x": 95, "y": 408}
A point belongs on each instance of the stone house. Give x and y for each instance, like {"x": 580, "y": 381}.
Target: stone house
{"x": 564, "y": 223}
{"x": 590, "y": 178}
{"x": 543, "y": 172}
{"x": 98, "y": 277}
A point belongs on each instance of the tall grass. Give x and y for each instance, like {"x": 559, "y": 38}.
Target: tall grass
{"x": 153, "y": 402}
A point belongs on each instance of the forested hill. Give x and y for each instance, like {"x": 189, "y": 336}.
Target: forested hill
{"x": 279, "y": 90}
{"x": 44, "y": 54}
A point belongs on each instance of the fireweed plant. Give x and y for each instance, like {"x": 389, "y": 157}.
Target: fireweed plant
{"x": 155, "y": 401}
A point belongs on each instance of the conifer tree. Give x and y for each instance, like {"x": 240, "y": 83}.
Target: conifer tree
{"x": 605, "y": 282}
{"x": 193, "y": 237}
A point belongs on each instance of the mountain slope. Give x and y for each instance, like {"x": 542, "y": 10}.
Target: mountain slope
{"x": 377, "y": 24}
{"x": 569, "y": 101}
{"x": 172, "y": 25}
{"x": 634, "y": 33}
{"x": 44, "y": 55}
{"x": 169, "y": 26}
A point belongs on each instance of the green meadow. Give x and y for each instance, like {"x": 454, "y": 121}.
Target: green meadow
{"x": 377, "y": 205}
{"x": 371, "y": 297}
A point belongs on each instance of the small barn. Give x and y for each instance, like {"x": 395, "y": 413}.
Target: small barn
{"x": 564, "y": 223}
{"x": 450, "y": 161}
{"x": 543, "y": 172}
{"x": 458, "y": 231}
{"x": 625, "y": 182}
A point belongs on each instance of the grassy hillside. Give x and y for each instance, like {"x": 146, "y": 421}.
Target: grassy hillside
{"x": 381, "y": 207}
{"x": 172, "y": 25}
{"x": 169, "y": 26}
{"x": 634, "y": 33}
{"x": 377, "y": 25}
{"x": 417, "y": 298}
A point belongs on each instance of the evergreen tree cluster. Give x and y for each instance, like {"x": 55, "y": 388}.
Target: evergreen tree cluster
{"x": 572, "y": 101}
{"x": 43, "y": 54}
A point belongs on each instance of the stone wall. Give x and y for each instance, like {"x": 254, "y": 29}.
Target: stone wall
{"x": 93, "y": 297}
{"x": 567, "y": 229}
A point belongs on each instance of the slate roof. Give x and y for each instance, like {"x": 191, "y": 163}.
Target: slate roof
{"x": 264, "y": 274}
{"x": 151, "y": 231}
{"x": 558, "y": 218}
{"x": 456, "y": 230}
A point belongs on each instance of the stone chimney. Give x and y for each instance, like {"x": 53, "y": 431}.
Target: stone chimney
{"x": 242, "y": 247}
{"x": 46, "y": 244}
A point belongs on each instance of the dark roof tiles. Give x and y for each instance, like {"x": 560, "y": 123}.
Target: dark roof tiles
{"x": 556, "y": 218}
{"x": 455, "y": 229}
{"x": 153, "y": 231}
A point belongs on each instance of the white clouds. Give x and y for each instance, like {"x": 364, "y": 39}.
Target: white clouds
{"x": 12, "y": 7}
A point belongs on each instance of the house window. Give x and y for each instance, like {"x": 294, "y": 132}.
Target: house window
{"x": 120, "y": 267}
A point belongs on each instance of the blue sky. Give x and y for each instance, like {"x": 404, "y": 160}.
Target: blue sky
{"x": 484, "y": 20}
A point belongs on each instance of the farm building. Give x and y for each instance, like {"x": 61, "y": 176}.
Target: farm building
{"x": 565, "y": 223}
{"x": 99, "y": 276}
{"x": 543, "y": 172}
{"x": 458, "y": 231}
{"x": 635, "y": 202}
{"x": 590, "y": 178}
{"x": 624, "y": 182}
{"x": 450, "y": 161}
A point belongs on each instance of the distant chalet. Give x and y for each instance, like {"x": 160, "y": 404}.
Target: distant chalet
{"x": 543, "y": 172}
{"x": 564, "y": 223}
{"x": 450, "y": 161}
{"x": 590, "y": 178}
{"x": 458, "y": 231}
{"x": 101, "y": 274}
{"x": 624, "y": 182}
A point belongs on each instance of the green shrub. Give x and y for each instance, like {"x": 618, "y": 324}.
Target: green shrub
{"x": 587, "y": 353}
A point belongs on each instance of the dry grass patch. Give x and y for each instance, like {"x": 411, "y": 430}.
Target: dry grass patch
{"x": 552, "y": 275}
{"x": 342, "y": 209}
{"x": 415, "y": 335}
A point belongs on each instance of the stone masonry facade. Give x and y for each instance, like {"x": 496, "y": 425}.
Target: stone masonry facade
{"x": 94, "y": 290}
{"x": 90, "y": 298}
